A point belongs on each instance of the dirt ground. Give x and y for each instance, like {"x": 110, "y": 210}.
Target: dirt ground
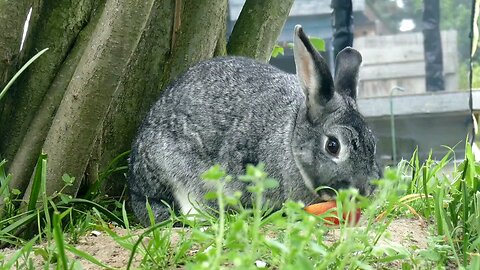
{"x": 406, "y": 232}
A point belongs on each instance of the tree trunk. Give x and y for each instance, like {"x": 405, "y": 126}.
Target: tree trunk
{"x": 57, "y": 28}
{"x": 200, "y": 27}
{"x": 258, "y": 27}
{"x": 12, "y": 20}
{"x": 138, "y": 88}
{"x": 70, "y": 139}
{"x": 24, "y": 160}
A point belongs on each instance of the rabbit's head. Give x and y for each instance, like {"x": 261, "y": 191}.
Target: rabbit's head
{"x": 332, "y": 143}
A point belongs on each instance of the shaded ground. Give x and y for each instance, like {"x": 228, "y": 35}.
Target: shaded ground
{"x": 406, "y": 232}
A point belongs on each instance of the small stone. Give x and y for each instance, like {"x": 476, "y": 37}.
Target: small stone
{"x": 260, "y": 264}
{"x": 95, "y": 233}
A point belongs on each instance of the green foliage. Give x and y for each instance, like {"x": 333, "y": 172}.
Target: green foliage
{"x": 45, "y": 218}
{"x": 292, "y": 238}
{"x": 456, "y": 15}
{"x": 94, "y": 190}
{"x": 454, "y": 203}
{"x": 318, "y": 44}
{"x": 233, "y": 235}
{"x": 288, "y": 238}
{"x": 277, "y": 50}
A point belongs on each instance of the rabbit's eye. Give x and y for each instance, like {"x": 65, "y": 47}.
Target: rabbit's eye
{"x": 332, "y": 146}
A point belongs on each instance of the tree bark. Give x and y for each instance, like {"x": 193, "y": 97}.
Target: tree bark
{"x": 138, "y": 89}
{"x": 197, "y": 37}
{"x": 258, "y": 27}
{"x": 24, "y": 160}
{"x": 221, "y": 46}
{"x": 57, "y": 28}
{"x": 12, "y": 19}
{"x": 70, "y": 139}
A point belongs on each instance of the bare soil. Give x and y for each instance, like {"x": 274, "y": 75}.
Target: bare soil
{"x": 404, "y": 231}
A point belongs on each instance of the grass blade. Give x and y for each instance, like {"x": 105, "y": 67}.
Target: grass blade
{"x": 100, "y": 208}
{"x": 18, "y": 224}
{"x": 140, "y": 239}
{"x": 125, "y": 217}
{"x": 12, "y": 80}
{"x": 425, "y": 191}
{"x": 112, "y": 167}
{"x": 37, "y": 182}
{"x": 4, "y": 180}
{"x": 438, "y": 208}
{"x": 463, "y": 186}
{"x": 59, "y": 241}
{"x": 43, "y": 190}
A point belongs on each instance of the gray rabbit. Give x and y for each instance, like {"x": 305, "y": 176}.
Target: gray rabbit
{"x": 235, "y": 111}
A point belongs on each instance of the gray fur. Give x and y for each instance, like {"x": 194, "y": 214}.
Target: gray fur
{"x": 234, "y": 111}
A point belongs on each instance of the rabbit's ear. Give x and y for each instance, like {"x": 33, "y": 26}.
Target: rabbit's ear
{"x": 346, "y": 71}
{"x": 313, "y": 74}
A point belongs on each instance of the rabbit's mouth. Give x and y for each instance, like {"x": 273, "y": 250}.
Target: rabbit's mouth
{"x": 324, "y": 195}
{"x": 329, "y": 193}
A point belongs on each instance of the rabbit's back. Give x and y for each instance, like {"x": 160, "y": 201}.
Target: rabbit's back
{"x": 225, "y": 103}
{"x": 232, "y": 111}
{"x": 219, "y": 92}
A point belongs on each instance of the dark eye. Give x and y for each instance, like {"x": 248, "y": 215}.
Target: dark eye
{"x": 332, "y": 146}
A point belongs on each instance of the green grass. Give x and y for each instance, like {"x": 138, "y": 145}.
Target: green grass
{"x": 237, "y": 237}
{"x": 44, "y": 219}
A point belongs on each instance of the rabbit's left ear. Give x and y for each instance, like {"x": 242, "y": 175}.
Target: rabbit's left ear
{"x": 347, "y": 65}
{"x": 313, "y": 74}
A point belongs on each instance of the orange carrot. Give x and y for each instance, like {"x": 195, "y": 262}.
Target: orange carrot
{"x": 322, "y": 208}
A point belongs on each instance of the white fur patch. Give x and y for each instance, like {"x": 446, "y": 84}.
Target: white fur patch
{"x": 185, "y": 200}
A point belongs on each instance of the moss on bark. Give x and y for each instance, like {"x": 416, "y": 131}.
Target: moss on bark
{"x": 57, "y": 28}
{"x": 25, "y": 157}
